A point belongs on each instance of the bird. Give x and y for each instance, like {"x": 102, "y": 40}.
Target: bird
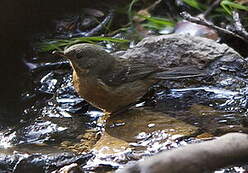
{"x": 114, "y": 81}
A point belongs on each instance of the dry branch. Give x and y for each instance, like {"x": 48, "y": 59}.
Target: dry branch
{"x": 202, "y": 21}
{"x": 230, "y": 149}
{"x": 238, "y": 25}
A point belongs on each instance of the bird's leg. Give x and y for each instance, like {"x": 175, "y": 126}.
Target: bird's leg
{"x": 124, "y": 109}
{"x": 149, "y": 96}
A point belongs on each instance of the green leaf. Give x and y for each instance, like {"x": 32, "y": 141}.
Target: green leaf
{"x": 158, "y": 21}
{"x": 58, "y": 44}
{"x": 195, "y": 4}
{"x": 228, "y": 6}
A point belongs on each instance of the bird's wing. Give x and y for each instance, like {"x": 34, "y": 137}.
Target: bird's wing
{"x": 125, "y": 71}
{"x": 129, "y": 70}
{"x": 178, "y": 73}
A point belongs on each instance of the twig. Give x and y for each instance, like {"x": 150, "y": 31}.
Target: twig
{"x": 151, "y": 7}
{"x": 211, "y": 8}
{"x": 238, "y": 25}
{"x": 103, "y": 25}
{"x": 230, "y": 149}
{"x": 202, "y": 21}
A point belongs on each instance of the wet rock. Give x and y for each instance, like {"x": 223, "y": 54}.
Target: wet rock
{"x": 39, "y": 163}
{"x": 181, "y": 50}
{"x": 224, "y": 67}
{"x": 51, "y": 130}
{"x": 8, "y": 162}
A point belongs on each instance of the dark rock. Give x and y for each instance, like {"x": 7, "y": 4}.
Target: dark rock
{"x": 39, "y": 163}
{"x": 218, "y": 61}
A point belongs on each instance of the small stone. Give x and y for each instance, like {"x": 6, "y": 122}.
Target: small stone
{"x": 151, "y": 125}
{"x": 72, "y": 168}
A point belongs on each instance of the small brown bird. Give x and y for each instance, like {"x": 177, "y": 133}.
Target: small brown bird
{"x": 112, "y": 82}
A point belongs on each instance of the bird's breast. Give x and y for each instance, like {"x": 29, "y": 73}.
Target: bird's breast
{"x": 109, "y": 98}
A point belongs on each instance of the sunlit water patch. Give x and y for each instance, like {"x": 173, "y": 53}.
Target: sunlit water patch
{"x": 5, "y": 141}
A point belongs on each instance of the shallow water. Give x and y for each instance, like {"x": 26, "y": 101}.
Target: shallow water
{"x": 57, "y": 119}
{"x": 173, "y": 118}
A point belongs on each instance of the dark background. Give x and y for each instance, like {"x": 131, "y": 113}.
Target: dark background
{"x": 19, "y": 19}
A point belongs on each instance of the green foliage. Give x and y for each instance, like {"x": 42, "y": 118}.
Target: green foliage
{"x": 229, "y": 6}
{"x": 226, "y": 6}
{"x": 195, "y": 4}
{"x": 157, "y": 23}
{"x": 58, "y": 44}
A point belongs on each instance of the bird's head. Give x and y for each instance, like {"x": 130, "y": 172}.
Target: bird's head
{"x": 88, "y": 57}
